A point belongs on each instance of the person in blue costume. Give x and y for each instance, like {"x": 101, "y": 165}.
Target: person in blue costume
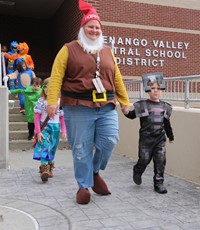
{"x": 24, "y": 77}
{"x": 10, "y": 63}
{"x": 23, "y": 50}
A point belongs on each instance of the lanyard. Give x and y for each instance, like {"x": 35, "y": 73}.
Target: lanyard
{"x": 97, "y": 81}
{"x": 98, "y": 65}
{"x": 97, "y": 60}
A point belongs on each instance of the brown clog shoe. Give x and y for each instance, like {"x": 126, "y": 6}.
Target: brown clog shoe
{"x": 83, "y": 196}
{"x": 100, "y": 186}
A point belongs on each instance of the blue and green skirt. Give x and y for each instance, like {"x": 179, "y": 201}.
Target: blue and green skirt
{"x": 46, "y": 149}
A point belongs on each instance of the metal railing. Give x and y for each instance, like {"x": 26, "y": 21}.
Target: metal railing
{"x": 3, "y": 74}
{"x": 2, "y": 68}
{"x": 4, "y": 121}
{"x": 184, "y": 89}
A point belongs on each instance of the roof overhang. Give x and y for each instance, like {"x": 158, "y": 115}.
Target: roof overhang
{"x": 41, "y": 9}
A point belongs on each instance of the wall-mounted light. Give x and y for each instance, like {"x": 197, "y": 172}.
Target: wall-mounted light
{"x": 7, "y": 3}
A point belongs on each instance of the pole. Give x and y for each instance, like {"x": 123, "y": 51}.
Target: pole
{"x": 0, "y": 69}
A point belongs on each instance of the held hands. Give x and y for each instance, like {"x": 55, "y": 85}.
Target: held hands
{"x": 125, "y": 109}
{"x": 52, "y": 110}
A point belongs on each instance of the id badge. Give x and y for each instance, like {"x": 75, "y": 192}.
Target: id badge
{"x": 98, "y": 85}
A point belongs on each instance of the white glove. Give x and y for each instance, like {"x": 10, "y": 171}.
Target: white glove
{"x": 6, "y": 78}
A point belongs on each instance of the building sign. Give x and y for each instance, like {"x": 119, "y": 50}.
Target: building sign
{"x": 144, "y": 52}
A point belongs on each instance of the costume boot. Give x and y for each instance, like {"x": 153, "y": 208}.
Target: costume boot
{"x": 44, "y": 172}
{"x": 160, "y": 188}
{"x": 51, "y": 167}
{"x": 100, "y": 186}
{"x": 137, "y": 178}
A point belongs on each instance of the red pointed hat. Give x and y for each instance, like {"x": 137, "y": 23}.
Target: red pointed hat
{"x": 89, "y": 12}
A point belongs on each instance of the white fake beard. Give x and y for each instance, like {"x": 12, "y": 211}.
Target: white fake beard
{"x": 89, "y": 45}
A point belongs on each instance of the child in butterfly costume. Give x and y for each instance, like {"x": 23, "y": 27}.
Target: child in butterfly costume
{"x": 48, "y": 138}
{"x": 154, "y": 117}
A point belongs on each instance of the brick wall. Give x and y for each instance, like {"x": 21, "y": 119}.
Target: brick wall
{"x": 153, "y": 23}
{"x": 149, "y": 14}
{"x": 66, "y": 24}
{"x": 120, "y": 19}
{"x": 171, "y": 66}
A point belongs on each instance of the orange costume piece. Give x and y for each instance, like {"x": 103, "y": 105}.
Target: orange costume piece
{"x": 23, "y": 49}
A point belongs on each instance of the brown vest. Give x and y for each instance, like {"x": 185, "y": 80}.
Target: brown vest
{"x": 80, "y": 71}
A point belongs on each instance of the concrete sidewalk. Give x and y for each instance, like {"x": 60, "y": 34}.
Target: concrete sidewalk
{"x": 28, "y": 204}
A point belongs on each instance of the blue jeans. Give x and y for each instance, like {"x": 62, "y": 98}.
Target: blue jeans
{"x": 92, "y": 135}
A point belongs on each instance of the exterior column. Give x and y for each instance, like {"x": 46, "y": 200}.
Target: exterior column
{"x": 4, "y": 128}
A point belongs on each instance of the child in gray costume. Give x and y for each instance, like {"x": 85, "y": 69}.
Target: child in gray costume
{"x": 154, "y": 117}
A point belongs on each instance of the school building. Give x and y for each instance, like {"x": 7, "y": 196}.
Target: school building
{"x": 148, "y": 35}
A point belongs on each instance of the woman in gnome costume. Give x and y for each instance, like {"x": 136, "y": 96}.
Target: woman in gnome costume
{"x": 87, "y": 74}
